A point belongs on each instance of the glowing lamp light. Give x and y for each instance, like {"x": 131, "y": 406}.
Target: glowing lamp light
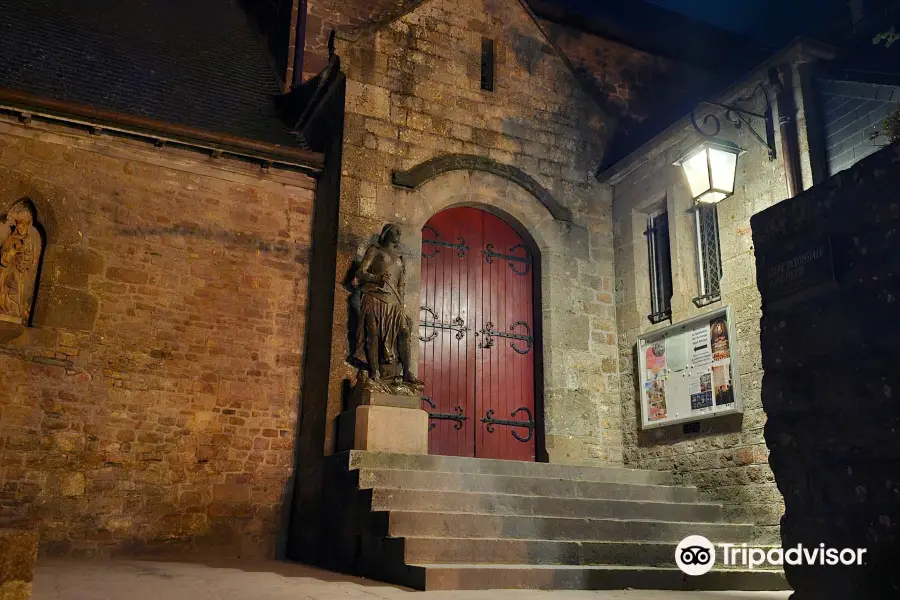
{"x": 710, "y": 170}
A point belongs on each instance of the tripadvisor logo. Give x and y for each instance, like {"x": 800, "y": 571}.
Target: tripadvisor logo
{"x": 696, "y": 555}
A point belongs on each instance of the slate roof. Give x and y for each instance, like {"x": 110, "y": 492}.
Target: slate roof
{"x": 197, "y": 63}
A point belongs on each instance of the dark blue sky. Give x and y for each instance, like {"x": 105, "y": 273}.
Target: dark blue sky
{"x": 773, "y": 22}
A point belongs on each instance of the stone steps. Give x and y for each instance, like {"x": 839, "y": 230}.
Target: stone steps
{"x": 566, "y": 577}
{"x": 522, "y": 486}
{"x": 468, "y": 525}
{"x": 434, "y": 522}
{"x": 478, "y": 466}
{"x": 449, "y": 550}
{"x": 387, "y": 499}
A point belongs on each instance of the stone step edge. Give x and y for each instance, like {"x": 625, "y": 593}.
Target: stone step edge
{"x": 482, "y": 514}
{"x": 702, "y": 505}
{"x": 617, "y": 500}
{"x": 546, "y": 567}
{"x": 497, "y": 462}
{"x": 532, "y": 540}
{"x": 529, "y": 478}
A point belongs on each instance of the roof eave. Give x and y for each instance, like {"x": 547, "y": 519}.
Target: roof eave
{"x": 85, "y": 115}
{"x": 799, "y": 50}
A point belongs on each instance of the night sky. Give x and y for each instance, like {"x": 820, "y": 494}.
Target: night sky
{"x": 773, "y": 22}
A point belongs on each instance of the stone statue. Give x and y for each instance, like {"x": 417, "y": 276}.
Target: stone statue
{"x": 20, "y": 247}
{"x": 384, "y": 331}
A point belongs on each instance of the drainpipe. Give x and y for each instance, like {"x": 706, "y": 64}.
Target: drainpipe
{"x": 790, "y": 151}
{"x": 299, "y": 44}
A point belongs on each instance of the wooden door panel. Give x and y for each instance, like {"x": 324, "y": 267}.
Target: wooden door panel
{"x": 476, "y": 351}
{"x": 505, "y": 375}
{"x": 446, "y": 346}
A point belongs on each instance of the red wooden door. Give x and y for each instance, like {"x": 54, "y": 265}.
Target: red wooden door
{"x": 476, "y": 336}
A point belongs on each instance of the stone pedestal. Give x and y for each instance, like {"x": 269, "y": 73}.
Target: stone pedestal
{"x": 18, "y": 555}
{"x": 10, "y": 328}
{"x": 384, "y": 423}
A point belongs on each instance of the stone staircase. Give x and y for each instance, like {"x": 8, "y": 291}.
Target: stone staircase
{"x": 444, "y": 523}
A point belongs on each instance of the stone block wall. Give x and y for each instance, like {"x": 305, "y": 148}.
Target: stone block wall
{"x": 414, "y": 94}
{"x": 323, "y": 16}
{"x": 18, "y": 555}
{"x": 153, "y": 403}
{"x": 727, "y": 458}
{"x": 626, "y": 80}
{"x": 830, "y": 356}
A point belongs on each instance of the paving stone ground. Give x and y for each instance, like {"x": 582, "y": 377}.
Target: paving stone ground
{"x": 243, "y": 580}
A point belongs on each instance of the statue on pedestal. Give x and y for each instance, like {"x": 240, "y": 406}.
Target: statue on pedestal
{"x": 384, "y": 332}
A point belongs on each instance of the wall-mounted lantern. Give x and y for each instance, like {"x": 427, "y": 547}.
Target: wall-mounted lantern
{"x": 711, "y": 167}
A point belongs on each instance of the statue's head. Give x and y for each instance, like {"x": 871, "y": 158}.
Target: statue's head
{"x": 20, "y": 217}
{"x": 390, "y": 235}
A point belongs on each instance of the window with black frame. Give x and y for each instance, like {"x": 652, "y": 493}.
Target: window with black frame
{"x": 660, "y": 267}
{"x": 709, "y": 258}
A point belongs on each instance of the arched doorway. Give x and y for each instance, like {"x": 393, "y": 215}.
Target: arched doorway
{"x": 477, "y": 336}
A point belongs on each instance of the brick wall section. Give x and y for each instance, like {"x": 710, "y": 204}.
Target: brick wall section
{"x": 831, "y": 378}
{"x": 727, "y": 460}
{"x": 154, "y": 402}
{"x": 852, "y": 113}
{"x": 414, "y": 93}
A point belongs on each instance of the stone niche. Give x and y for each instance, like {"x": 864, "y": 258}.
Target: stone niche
{"x": 21, "y": 250}
{"x": 828, "y": 270}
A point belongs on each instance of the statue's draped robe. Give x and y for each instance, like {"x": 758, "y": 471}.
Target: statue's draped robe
{"x": 380, "y": 307}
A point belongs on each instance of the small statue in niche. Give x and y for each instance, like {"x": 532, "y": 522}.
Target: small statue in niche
{"x": 384, "y": 331}
{"x": 20, "y": 246}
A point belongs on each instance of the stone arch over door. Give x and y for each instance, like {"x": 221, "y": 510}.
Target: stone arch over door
{"x": 543, "y": 233}
{"x": 579, "y": 345}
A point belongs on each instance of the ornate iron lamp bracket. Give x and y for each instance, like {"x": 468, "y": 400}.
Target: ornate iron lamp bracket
{"x": 740, "y": 118}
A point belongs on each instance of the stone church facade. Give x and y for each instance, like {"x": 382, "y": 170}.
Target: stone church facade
{"x": 174, "y": 374}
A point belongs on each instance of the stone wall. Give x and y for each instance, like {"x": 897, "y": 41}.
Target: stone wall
{"x": 323, "y": 16}
{"x": 414, "y": 94}
{"x": 628, "y": 81}
{"x": 153, "y": 403}
{"x": 830, "y": 356}
{"x": 727, "y": 458}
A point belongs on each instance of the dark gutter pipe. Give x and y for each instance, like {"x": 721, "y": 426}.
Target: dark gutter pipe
{"x": 299, "y": 44}
{"x": 152, "y": 128}
{"x": 790, "y": 149}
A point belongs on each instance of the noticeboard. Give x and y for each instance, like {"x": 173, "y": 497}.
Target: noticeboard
{"x": 689, "y": 371}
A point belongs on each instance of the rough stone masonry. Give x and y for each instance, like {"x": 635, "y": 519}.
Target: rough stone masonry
{"x": 829, "y": 349}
